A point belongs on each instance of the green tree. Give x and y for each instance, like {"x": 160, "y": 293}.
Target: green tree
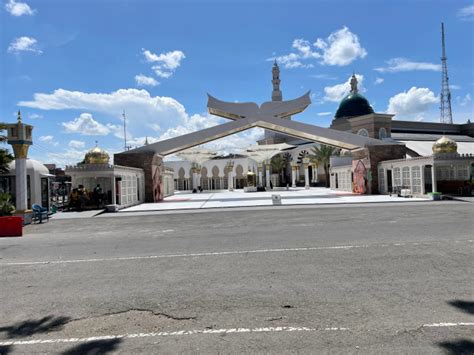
{"x": 5, "y": 157}
{"x": 321, "y": 156}
{"x": 278, "y": 163}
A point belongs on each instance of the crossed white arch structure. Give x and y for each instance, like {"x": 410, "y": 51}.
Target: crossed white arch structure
{"x": 270, "y": 115}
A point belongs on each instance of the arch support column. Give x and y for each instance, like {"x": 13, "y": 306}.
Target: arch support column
{"x": 267, "y": 173}
{"x": 294, "y": 169}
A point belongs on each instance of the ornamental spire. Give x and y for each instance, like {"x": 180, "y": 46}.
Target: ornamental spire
{"x": 354, "y": 89}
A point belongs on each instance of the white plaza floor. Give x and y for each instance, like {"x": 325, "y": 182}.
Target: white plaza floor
{"x": 239, "y": 198}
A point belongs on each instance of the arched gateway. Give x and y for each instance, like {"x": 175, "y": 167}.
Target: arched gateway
{"x": 271, "y": 116}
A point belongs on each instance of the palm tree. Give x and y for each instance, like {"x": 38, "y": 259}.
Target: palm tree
{"x": 278, "y": 163}
{"x": 3, "y": 127}
{"x": 321, "y": 156}
{"x": 5, "y": 157}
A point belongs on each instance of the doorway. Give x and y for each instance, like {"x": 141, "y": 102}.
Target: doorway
{"x": 389, "y": 181}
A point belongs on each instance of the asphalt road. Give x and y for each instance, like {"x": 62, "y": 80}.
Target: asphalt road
{"x": 358, "y": 279}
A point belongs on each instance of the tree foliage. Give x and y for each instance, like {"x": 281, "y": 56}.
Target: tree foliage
{"x": 321, "y": 156}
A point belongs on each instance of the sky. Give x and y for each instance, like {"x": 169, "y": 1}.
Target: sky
{"x": 74, "y": 66}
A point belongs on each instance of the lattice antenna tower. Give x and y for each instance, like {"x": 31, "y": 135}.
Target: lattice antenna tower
{"x": 446, "y": 115}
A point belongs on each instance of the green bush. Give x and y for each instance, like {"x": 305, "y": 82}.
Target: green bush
{"x": 6, "y": 206}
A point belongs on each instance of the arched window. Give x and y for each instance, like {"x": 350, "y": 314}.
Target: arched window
{"x": 382, "y": 133}
{"x": 363, "y": 132}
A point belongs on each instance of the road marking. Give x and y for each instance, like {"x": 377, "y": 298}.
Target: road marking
{"x": 198, "y": 332}
{"x": 219, "y": 253}
{"x": 174, "y": 333}
{"x": 448, "y": 324}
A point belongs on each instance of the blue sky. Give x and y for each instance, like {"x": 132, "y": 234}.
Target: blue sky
{"x": 73, "y": 66}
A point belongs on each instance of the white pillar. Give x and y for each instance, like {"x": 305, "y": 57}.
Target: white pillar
{"x": 267, "y": 175}
{"x": 294, "y": 168}
{"x": 306, "y": 176}
{"x": 433, "y": 179}
{"x": 21, "y": 185}
{"x": 195, "y": 184}
{"x": 260, "y": 176}
{"x": 114, "y": 193}
{"x": 422, "y": 179}
{"x": 230, "y": 180}
{"x": 315, "y": 173}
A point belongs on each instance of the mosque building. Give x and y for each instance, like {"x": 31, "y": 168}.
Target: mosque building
{"x": 438, "y": 156}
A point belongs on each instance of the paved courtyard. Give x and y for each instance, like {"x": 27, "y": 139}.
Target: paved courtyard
{"x": 239, "y": 198}
{"x": 356, "y": 278}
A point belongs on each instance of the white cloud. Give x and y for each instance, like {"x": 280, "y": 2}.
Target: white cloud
{"x": 324, "y": 113}
{"x": 48, "y": 139}
{"x": 378, "y": 81}
{"x": 18, "y": 8}
{"x": 337, "y": 92}
{"x": 86, "y": 126}
{"x": 24, "y": 44}
{"x": 76, "y": 144}
{"x": 34, "y": 116}
{"x": 464, "y": 101}
{"x": 341, "y": 47}
{"x": 412, "y": 104}
{"x": 156, "y": 127}
{"x": 466, "y": 13}
{"x": 143, "y": 80}
{"x": 141, "y": 108}
{"x": 165, "y": 63}
{"x": 66, "y": 157}
{"x": 402, "y": 64}
{"x": 454, "y": 87}
{"x": 324, "y": 76}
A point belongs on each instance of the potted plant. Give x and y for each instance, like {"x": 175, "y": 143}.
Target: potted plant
{"x": 435, "y": 196}
{"x": 10, "y": 226}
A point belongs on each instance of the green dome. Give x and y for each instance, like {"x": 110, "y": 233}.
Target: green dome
{"x": 353, "y": 104}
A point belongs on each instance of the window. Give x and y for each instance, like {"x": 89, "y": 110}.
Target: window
{"x": 397, "y": 181}
{"x": 462, "y": 172}
{"x": 363, "y": 132}
{"x": 381, "y": 181}
{"x": 416, "y": 179}
{"x": 406, "y": 176}
{"x": 382, "y": 133}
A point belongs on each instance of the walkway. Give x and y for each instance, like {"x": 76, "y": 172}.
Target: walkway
{"x": 238, "y": 198}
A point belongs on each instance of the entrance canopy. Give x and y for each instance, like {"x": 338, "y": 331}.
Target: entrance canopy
{"x": 269, "y": 115}
{"x": 261, "y": 153}
{"x": 197, "y": 155}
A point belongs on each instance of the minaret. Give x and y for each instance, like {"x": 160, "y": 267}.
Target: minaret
{"x": 276, "y": 93}
{"x": 270, "y": 136}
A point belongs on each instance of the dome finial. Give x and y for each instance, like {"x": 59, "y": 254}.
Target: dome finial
{"x": 354, "y": 83}
{"x": 19, "y": 116}
{"x": 146, "y": 140}
{"x": 445, "y": 145}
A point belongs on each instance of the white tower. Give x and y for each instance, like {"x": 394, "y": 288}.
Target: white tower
{"x": 272, "y": 137}
{"x": 276, "y": 93}
{"x": 19, "y": 135}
